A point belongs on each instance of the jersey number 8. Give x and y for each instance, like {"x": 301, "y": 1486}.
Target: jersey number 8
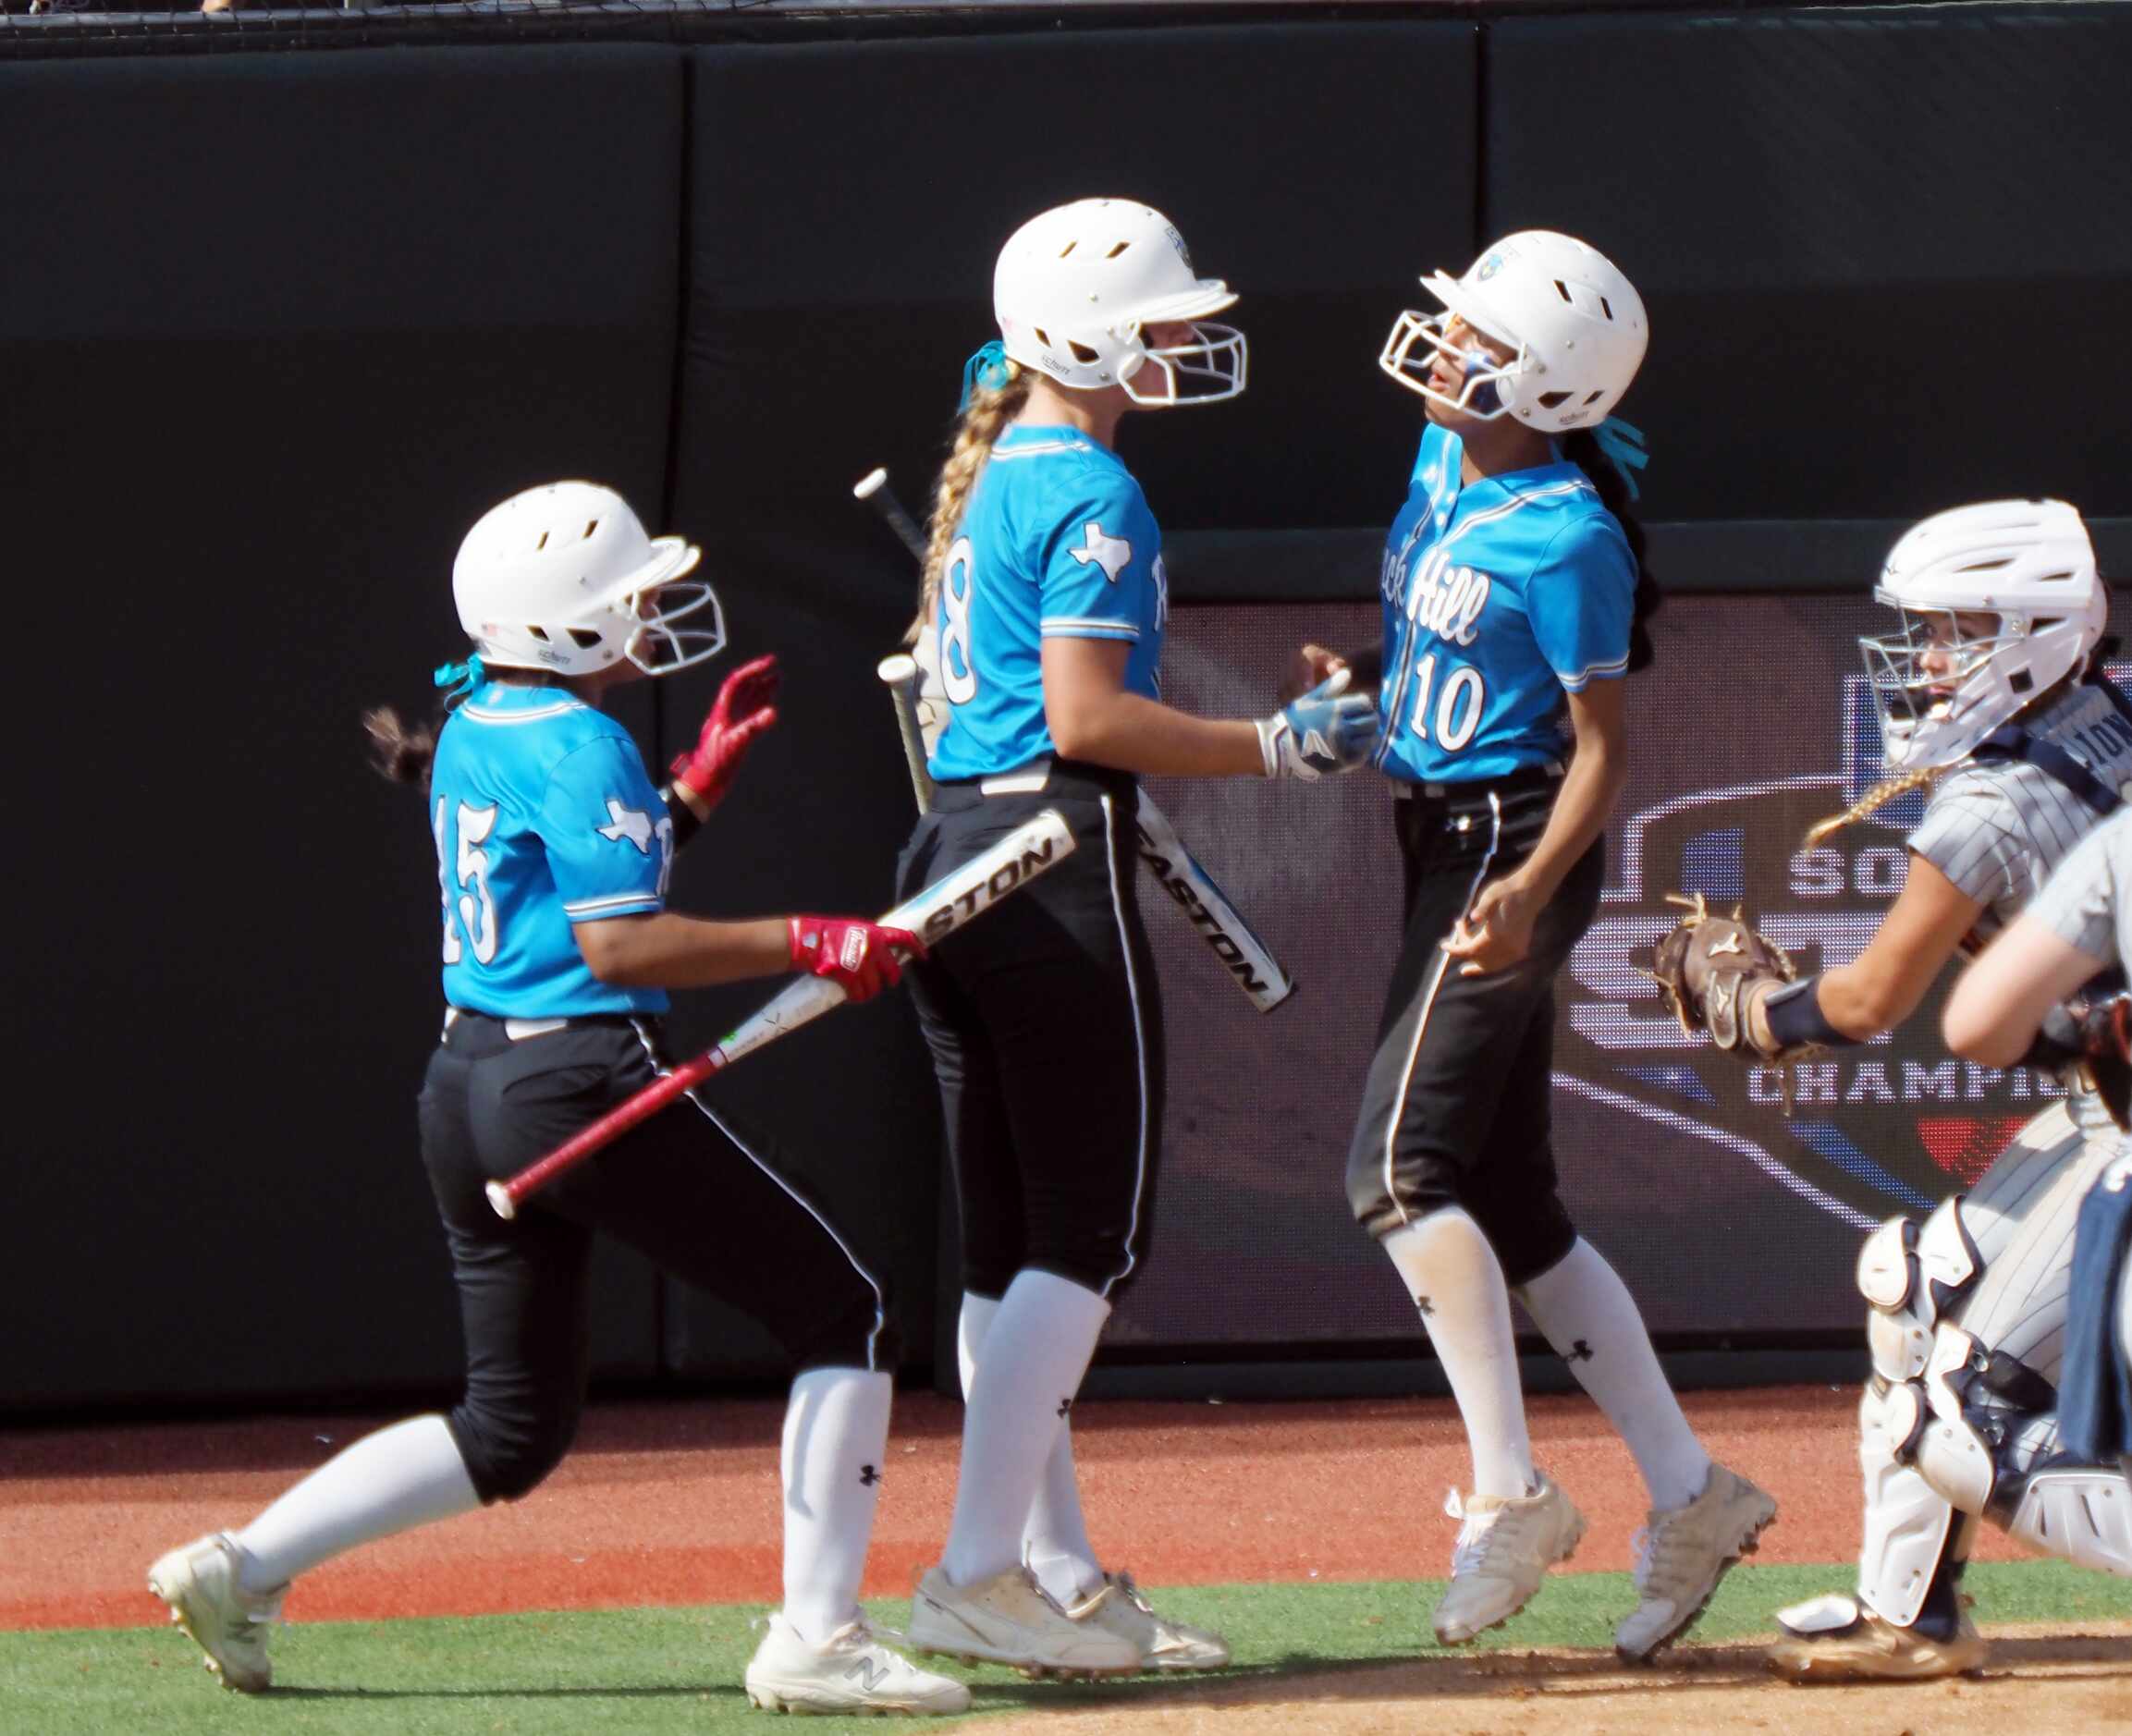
{"x": 961, "y": 683}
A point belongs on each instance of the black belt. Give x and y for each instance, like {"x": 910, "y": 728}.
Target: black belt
{"x": 1475, "y": 794}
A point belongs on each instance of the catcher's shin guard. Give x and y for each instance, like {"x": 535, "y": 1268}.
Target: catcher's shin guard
{"x": 1910, "y": 1542}
{"x": 1909, "y": 1524}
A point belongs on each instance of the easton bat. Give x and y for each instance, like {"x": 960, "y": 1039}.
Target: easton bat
{"x": 942, "y": 908}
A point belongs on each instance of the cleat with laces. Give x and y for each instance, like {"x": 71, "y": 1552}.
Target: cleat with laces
{"x": 200, "y": 1583}
{"x": 1505, "y": 1547}
{"x": 1835, "y": 1639}
{"x": 1010, "y": 1618}
{"x": 1118, "y": 1606}
{"x": 849, "y": 1672}
{"x": 1682, "y": 1553}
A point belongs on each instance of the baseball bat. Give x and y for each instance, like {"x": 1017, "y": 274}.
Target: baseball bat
{"x": 942, "y": 908}
{"x": 901, "y": 675}
{"x": 1248, "y": 959}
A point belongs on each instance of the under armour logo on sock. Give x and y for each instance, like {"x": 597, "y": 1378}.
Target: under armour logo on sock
{"x": 868, "y": 1476}
{"x": 1065, "y": 1405}
{"x": 1579, "y": 1352}
{"x": 1422, "y": 1302}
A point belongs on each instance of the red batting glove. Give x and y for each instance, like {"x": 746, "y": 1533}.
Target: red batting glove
{"x": 860, "y": 956}
{"x": 741, "y": 712}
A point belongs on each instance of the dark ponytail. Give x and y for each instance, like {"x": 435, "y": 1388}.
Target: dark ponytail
{"x": 1582, "y": 448}
{"x": 398, "y": 752}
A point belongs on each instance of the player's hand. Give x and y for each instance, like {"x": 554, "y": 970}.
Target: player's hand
{"x": 1328, "y": 731}
{"x": 1496, "y": 932}
{"x": 1311, "y": 667}
{"x": 741, "y": 713}
{"x": 859, "y": 955}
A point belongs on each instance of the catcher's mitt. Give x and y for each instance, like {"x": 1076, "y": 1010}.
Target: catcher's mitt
{"x": 1708, "y": 967}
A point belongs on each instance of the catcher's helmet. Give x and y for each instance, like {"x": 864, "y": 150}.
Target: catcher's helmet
{"x": 563, "y": 578}
{"x": 1077, "y": 286}
{"x": 1575, "y": 325}
{"x": 1940, "y": 690}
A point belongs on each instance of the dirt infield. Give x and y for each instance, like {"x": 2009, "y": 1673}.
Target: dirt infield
{"x": 2055, "y": 1685}
{"x": 676, "y": 1503}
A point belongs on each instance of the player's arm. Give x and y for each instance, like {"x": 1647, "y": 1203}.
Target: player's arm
{"x": 1497, "y": 932}
{"x": 2000, "y": 1002}
{"x": 665, "y": 949}
{"x": 1883, "y": 985}
{"x": 1092, "y": 717}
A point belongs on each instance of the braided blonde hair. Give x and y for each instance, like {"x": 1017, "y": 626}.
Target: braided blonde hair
{"x": 985, "y": 418}
{"x": 1881, "y": 793}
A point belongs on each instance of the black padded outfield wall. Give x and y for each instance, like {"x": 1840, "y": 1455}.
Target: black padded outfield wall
{"x": 275, "y": 328}
{"x": 273, "y": 332}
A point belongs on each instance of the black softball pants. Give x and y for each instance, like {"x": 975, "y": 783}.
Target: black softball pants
{"x": 1045, "y": 1026}
{"x": 703, "y": 1200}
{"x": 1456, "y": 1110}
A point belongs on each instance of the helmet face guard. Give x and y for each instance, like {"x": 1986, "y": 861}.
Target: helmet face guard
{"x": 1209, "y": 369}
{"x": 1933, "y": 715}
{"x": 657, "y": 647}
{"x": 1482, "y": 395}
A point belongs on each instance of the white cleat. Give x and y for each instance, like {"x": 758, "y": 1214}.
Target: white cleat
{"x": 198, "y": 1582}
{"x": 1505, "y": 1547}
{"x": 1163, "y": 1644}
{"x": 1680, "y": 1555}
{"x": 850, "y": 1672}
{"x": 1009, "y": 1619}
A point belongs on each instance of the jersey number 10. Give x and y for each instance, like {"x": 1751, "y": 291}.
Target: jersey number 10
{"x": 1458, "y": 707}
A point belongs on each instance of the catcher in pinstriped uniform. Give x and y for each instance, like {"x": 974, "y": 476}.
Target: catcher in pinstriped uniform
{"x": 1987, "y": 699}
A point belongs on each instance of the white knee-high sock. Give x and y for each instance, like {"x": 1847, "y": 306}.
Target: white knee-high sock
{"x": 1055, "y": 1537}
{"x": 400, "y": 1477}
{"x": 1456, "y": 1282}
{"x": 1592, "y": 1321}
{"x": 835, "y": 1444}
{"x": 1036, "y": 1352}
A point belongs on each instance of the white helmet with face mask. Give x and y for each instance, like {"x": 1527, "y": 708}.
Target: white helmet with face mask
{"x": 1942, "y": 688}
{"x": 564, "y": 578}
{"x": 1077, "y": 286}
{"x": 1573, "y": 324}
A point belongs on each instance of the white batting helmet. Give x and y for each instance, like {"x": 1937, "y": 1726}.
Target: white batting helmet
{"x": 1076, "y": 286}
{"x": 1575, "y": 325}
{"x": 564, "y": 578}
{"x": 1941, "y": 689}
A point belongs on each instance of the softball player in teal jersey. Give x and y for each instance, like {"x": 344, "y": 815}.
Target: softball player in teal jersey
{"x": 1512, "y": 598}
{"x": 553, "y": 852}
{"x": 1045, "y": 604}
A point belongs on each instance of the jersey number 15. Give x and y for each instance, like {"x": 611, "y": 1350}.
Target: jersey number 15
{"x": 468, "y": 866}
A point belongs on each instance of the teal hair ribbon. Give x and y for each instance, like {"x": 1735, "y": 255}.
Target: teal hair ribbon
{"x": 1623, "y": 445}
{"x": 459, "y": 680}
{"x": 989, "y": 368}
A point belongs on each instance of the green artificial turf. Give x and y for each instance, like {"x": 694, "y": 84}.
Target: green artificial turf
{"x": 658, "y": 1671}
